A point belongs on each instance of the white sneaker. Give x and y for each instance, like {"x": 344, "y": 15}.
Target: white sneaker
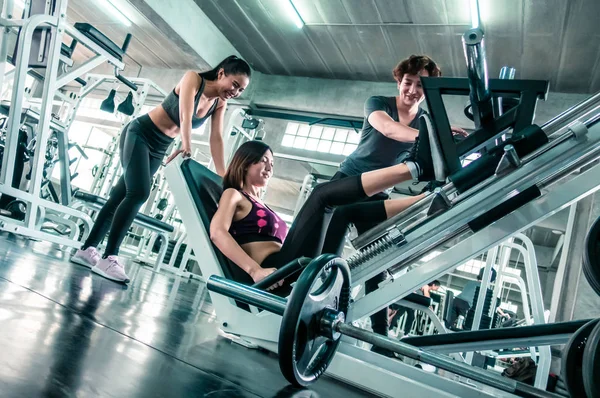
{"x": 88, "y": 257}
{"x": 111, "y": 269}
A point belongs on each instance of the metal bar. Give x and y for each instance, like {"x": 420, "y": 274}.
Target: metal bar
{"x": 562, "y": 264}
{"x": 79, "y": 71}
{"x": 484, "y": 345}
{"x": 492, "y": 254}
{"x": 4, "y": 42}
{"x": 476, "y": 64}
{"x": 505, "y": 253}
{"x": 305, "y": 159}
{"x": 305, "y": 190}
{"x": 44, "y": 124}
{"x": 249, "y": 295}
{"x": 14, "y": 114}
{"x": 440, "y": 361}
{"x": 88, "y": 89}
{"x": 12, "y": 23}
{"x": 65, "y": 169}
{"x": 8, "y": 226}
{"x": 549, "y": 128}
{"x": 570, "y": 114}
{"x": 483, "y": 287}
{"x": 534, "y": 287}
{"x": 392, "y": 378}
{"x": 506, "y": 72}
{"x": 385, "y": 24}
{"x": 570, "y": 191}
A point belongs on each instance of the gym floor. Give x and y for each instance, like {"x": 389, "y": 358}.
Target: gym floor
{"x": 67, "y": 332}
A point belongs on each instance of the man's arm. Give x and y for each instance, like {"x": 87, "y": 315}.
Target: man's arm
{"x": 377, "y": 112}
{"x": 383, "y": 123}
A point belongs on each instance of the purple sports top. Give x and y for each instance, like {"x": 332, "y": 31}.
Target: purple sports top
{"x": 260, "y": 225}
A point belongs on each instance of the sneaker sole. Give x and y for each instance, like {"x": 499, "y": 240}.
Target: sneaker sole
{"x": 80, "y": 261}
{"x": 102, "y": 273}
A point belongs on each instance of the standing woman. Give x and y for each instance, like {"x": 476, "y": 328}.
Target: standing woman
{"x": 143, "y": 145}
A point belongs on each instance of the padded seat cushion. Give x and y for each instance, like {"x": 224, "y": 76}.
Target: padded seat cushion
{"x": 206, "y": 189}
{"x": 100, "y": 201}
{"x": 99, "y": 38}
{"x": 414, "y": 298}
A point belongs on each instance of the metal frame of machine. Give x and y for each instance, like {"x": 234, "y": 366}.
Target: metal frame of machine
{"x": 54, "y": 20}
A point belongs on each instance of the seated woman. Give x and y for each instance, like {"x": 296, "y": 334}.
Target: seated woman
{"x": 256, "y": 239}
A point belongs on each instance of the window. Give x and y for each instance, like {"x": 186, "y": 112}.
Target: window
{"x": 514, "y": 271}
{"x": 94, "y": 139}
{"x": 337, "y": 141}
{"x": 508, "y": 306}
{"x": 472, "y": 266}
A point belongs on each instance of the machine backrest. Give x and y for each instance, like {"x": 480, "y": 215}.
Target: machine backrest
{"x": 206, "y": 189}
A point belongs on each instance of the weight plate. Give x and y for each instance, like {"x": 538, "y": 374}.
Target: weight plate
{"x": 304, "y": 352}
{"x": 591, "y": 257}
{"x": 591, "y": 364}
{"x": 572, "y": 360}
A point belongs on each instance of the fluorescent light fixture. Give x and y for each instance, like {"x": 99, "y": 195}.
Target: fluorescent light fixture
{"x": 295, "y": 15}
{"x": 475, "y": 15}
{"x": 110, "y": 8}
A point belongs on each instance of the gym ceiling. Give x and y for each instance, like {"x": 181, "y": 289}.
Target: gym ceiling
{"x": 557, "y": 40}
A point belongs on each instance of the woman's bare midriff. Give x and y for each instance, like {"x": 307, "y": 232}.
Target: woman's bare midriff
{"x": 258, "y": 251}
{"x": 164, "y": 123}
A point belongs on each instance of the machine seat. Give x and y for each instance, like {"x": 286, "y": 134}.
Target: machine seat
{"x": 206, "y": 189}
{"x": 416, "y": 299}
{"x": 139, "y": 218}
{"x": 100, "y": 39}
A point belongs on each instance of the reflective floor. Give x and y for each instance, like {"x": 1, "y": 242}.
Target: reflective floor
{"x": 66, "y": 332}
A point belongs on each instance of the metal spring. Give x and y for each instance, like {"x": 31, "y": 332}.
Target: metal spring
{"x": 370, "y": 251}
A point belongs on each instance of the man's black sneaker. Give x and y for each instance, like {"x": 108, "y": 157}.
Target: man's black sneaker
{"x": 432, "y": 185}
{"x": 420, "y": 152}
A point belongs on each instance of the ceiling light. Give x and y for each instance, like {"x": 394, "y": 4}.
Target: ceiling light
{"x": 295, "y": 15}
{"x": 115, "y": 12}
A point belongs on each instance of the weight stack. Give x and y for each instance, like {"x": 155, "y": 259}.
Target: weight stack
{"x": 496, "y": 316}
{"x": 169, "y": 253}
{"x": 486, "y": 320}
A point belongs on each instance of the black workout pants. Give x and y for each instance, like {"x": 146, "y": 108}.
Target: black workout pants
{"x": 142, "y": 148}
{"x": 312, "y": 234}
{"x": 410, "y": 318}
{"x": 459, "y": 307}
{"x": 364, "y": 221}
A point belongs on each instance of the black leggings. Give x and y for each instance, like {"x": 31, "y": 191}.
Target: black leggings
{"x": 364, "y": 216}
{"x": 312, "y": 234}
{"x": 410, "y": 318}
{"x": 459, "y": 307}
{"x": 142, "y": 146}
